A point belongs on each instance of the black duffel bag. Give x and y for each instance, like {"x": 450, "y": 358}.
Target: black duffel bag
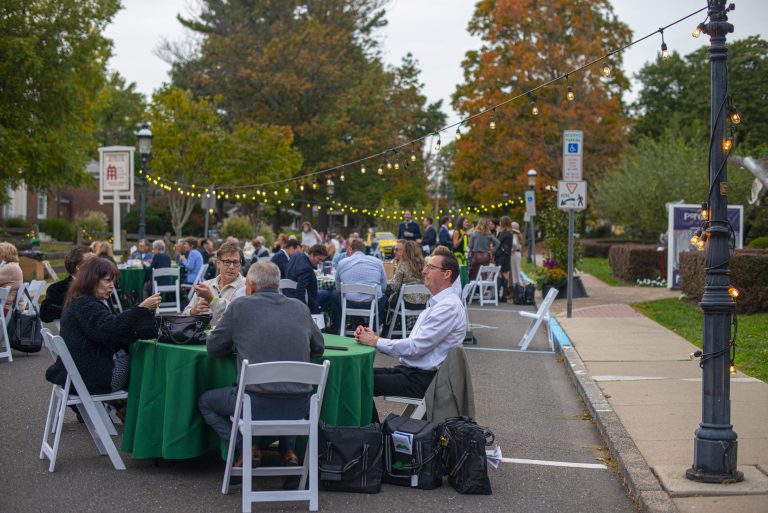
{"x": 350, "y": 458}
{"x": 416, "y": 463}
{"x": 464, "y": 457}
{"x": 183, "y": 329}
{"x": 24, "y": 328}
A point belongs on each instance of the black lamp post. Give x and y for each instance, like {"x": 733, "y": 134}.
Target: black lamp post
{"x": 715, "y": 447}
{"x": 144, "y": 136}
{"x": 532, "y": 245}
{"x": 330, "y": 188}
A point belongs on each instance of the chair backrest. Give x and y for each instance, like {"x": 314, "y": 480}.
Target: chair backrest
{"x": 175, "y": 288}
{"x": 416, "y": 288}
{"x": 35, "y": 289}
{"x": 467, "y": 292}
{"x": 165, "y": 271}
{"x": 285, "y": 283}
{"x": 488, "y": 272}
{"x": 286, "y": 372}
{"x": 4, "y": 292}
{"x": 50, "y": 271}
{"x": 358, "y": 288}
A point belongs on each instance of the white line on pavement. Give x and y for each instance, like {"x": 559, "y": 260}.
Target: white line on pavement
{"x": 554, "y": 463}
{"x": 507, "y": 350}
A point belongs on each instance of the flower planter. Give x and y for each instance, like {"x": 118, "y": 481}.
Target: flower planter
{"x": 562, "y": 293}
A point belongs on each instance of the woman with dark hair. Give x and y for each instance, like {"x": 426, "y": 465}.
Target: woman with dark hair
{"x": 410, "y": 263}
{"x": 95, "y": 336}
{"x": 461, "y": 240}
{"x": 55, "y": 295}
{"x": 480, "y": 247}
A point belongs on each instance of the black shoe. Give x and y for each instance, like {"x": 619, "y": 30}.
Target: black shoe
{"x": 235, "y": 482}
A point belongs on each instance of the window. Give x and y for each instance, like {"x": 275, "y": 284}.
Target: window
{"x": 42, "y": 205}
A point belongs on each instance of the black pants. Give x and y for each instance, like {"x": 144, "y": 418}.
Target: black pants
{"x": 400, "y": 381}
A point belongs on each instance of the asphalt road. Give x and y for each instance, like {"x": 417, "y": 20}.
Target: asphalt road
{"x": 526, "y": 399}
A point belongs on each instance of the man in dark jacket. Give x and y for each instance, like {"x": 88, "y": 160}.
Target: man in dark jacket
{"x": 52, "y": 305}
{"x": 408, "y": 229}
{"x": 264, "y": 326}
{"x": 281, "y": 257}
{"x": 444, "y": 236}
{"x": 429, "y": 241}
{"x": 301, "y": 269}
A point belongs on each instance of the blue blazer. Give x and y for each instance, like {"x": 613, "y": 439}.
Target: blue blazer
{"x": 301, "y": 270}
{"x": 280, "y": 259}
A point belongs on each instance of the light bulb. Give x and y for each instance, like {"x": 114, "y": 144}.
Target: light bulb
{"x": 606, "y": 70}
{"x": 380, "y": 170}
{"x": 570, "y": 94}
{"x": 664, "y": 51}
{"x": 389, "y": 164}
{"x": 397, "y": 166}
{"x": 328, "y": 182}
{"x": 342, "y": 177}
{"x": 458, "y": 134}
{"x": 362, "y": 170}
{"x": 700, "y": 244}
{"x": 413, "y": 157}
{"x": 734, "y": 292}
{"x": 695, "y": 240}
{"x": 697, "y": 31}
{"x": 732, "y": 370}
{"x": 437, "y": 145}
{"x": 727, "y": 144}
{"x": 274, "y": 192}
{"x": 286, "y": 190}
{"x": 534, "y": 108}
{"x": 735, "y": 117}
{"x": 301, "y": 188}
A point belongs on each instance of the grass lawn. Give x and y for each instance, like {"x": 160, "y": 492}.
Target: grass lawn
{"x": 599, "y": 268}
{"x": 686, "y": 319}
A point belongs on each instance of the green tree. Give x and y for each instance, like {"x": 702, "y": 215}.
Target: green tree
{"x": 525, "y": 44}
{"x": 119, "y": 112}
{"x": 676, "y": 93}
{"x": 52, "y": 58}
{"x": 655, "y": 172}
{"x": 314, "y": 67}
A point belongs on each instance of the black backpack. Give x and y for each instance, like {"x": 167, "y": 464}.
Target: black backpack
{"x": 464, "y": 458}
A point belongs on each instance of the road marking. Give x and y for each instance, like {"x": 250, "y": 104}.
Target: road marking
{"x": 554, "y": 463}
{"x": 481, "y": 326}
{"x": 624, "y": 378}
{"x": 507, "y": 350}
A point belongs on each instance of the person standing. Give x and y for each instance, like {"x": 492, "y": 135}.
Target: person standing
{"x": 438, "y": 329}
{"x": 408, "y": 229}
{"x": 503, "y": 254}
{"x": 480, "y": 247}
{"x": 444, "y": 236}
{"x": 461, "y": 240}
{"x": 517, "y": 247}
{"x": 309, "y": 236}
{"x": 429, "y": 241}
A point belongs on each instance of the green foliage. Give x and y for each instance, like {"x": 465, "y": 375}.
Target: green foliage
{"x": 92, "y": 221}
{"x": 759, "y": 243}
{"x": 16, "y": 222}
{"x": 599, "y": 268}
{"x": 268, "y": 233}
{"x": 237, "y": 226}
{"x": 686, "y": 319}
{"x": 655, "y": 172}
{"x": 58, "y": 228}
{"x": 675, "y": 94}
{"x": 756, "y": 221}
{"x": 52, "y": 58}
{"x": 554, "y": 222}
{"x": 119, "y": 112}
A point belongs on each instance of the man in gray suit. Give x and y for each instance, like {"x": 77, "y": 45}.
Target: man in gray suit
{"x": 263, "y": 326}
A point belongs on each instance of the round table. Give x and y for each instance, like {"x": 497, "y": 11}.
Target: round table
{"x": 162, "y": 419}
{"x": 132, "y": 280}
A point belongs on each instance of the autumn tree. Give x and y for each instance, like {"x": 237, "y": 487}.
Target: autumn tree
{"x": 52, "y": 58}
{"x": 192, "y": 145}
{"x": 527, "y": 43}
{"x": 315, "y": 68}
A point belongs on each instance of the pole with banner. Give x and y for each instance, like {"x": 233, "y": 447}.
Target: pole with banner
{"x": 572, "y": 194}
{"x": 116, "y": 183}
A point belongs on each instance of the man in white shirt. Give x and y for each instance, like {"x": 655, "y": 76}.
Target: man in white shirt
{"x": 437, "y": 330}
{"x": 213, "y": 296}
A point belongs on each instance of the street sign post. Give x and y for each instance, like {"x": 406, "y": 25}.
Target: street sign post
{"x": 572, "y": 194}
{"x": 116, "y": 183}
{"x": 530, "y": 213}
{"x": 573, "y": 151}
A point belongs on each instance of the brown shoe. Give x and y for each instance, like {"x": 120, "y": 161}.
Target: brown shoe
{"x": 255, "y": 458}
{"x": 290, "y": 459}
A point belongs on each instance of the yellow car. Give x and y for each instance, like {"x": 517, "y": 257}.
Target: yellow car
{"x": 387, "y": 242}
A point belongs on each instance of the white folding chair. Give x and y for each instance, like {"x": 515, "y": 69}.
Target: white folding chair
{"x": 403, "y": 312}
{"x": 287, "y": 284}
{"x": 50, "y": 271}
{"x": 467, "y": 292}
{"x": 319, "y": 320}
{"x": 371, "y": 311}
{"x": 198, "y": 279}
{"x": 116, "y": 301}
{"x": 277, "y": 372}
{"x": 91, "y": 408}
{"x": 35, "y": 289}
{"x": 173, "y": 273}
{"x": 5, "y": 353}
{"x": 487, "y": 278}
{"x": 541, "y": 316}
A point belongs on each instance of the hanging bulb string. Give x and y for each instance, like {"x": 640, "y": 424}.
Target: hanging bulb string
{"x": 483, "y": 112}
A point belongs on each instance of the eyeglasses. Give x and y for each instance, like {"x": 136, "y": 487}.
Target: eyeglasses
{"x": 230, "y": 263}
{"x": 429, "y": 267}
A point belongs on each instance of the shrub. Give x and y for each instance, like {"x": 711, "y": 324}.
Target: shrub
{"x": 632, "y": 262}
{"x": 554, "y": 276}
{"x": 237, "y": 226}
{"x": 16, "y": 222}
{"x": 555, "y": 225}
{"x": 759, "y": 243}
{"x": 93, "y": 221}
{"x": 595, "y": 248}
{"x": 749, "y": 274}
{"x": 58, "y": 228}
{"x": 266, "y": 231}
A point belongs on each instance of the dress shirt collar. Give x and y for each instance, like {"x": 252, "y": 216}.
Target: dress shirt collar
{"x": 236, "y": 283}
{"x": 287, "y": 256}
{"x": 441, "y": 296}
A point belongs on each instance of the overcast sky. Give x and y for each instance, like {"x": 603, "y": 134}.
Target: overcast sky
{"x": 434, "y": 31}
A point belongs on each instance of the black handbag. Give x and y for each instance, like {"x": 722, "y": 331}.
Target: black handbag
{"x": 350, "y": 458}
{"x": 24, "y": 329}
{"x": 183, "y": 329}
{"x": 411, "y": 453}
{"x": 464, "y": 457}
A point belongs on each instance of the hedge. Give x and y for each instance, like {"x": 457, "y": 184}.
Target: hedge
{"x": 58, "y": 228}
{"x": 632, "y": 262}
{"x": 749, "y": 274}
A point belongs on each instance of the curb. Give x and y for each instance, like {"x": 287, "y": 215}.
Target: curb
{"x": 640, "y": 481}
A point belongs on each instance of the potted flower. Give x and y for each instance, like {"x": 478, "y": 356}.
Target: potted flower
{"x": 551, "y": 275}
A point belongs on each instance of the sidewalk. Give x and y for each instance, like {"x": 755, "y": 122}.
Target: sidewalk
{"x": 645, "y": 395}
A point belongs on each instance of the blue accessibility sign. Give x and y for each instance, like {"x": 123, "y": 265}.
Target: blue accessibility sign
{"x": 573, "y": 147}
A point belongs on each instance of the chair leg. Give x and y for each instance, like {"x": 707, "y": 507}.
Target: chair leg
{"x": 57, "y": 433}
{"x": 99, "y": 432}
{"x": 313, "y": 485}
{"x": 50, "y": 419}
{"x": 247, "y": 469}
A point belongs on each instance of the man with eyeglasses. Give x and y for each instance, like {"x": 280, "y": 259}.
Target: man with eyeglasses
{"x": 438, "y": 329}
{"x": 214, "y": 295}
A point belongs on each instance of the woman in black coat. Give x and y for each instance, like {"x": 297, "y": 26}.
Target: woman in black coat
{"x": 97, "y": 338}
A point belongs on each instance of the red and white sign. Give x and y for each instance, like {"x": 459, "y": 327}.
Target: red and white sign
{"x": 116, "y": 171}
{"x": 571, "y": 195}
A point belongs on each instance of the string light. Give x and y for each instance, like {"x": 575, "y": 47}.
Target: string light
{"x": 438, "y": 143}
{"x": 458, "y": 132}
{"x": 698, "y": 30}
{"x": 569, "y": 90}
{"x": 606, "y": 69}
{"x": 704, "y": 211}
{"x": 734, "y": 292}
{"x": 732, "y": 369}
{"x": 733, "y": 113}
{"x": 534, "y": 107}
{"x": 492, "y": 124}
{"x": 301, "y": 187}
{"x": 664, "y": 50}
{"x": 728, "y": 144}
{"x": 342, "y": 176}
{"x": 362, "y": 169}
{"x": 380, "y": 170}
{"x": 413, "y": 152}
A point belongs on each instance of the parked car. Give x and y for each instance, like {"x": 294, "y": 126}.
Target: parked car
{"x": 384, "y": 241}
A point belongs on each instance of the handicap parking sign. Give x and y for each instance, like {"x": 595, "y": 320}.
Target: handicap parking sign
{"x": 573, "y": 147}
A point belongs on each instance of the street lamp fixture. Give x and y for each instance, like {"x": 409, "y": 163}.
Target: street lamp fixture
{"x": 532, "y": 178}
{"x": 144, "y": 137}
{"x": 330, "y": 187}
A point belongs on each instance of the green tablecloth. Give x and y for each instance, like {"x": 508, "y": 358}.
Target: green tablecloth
{"x": 132, "y": 280}
{"x": 163, "y": 421}
{"x": 464, "y": 275}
